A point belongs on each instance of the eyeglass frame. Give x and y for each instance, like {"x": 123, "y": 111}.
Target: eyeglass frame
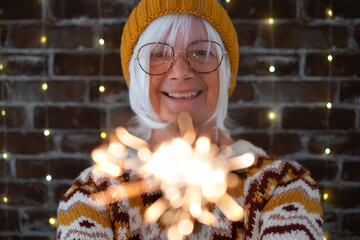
{"x": 186, "y": 56}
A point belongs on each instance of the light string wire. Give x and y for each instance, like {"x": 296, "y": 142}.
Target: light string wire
{"x": 271, "y": 113}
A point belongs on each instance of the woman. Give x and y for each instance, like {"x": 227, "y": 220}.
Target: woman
{"x": 182, "y": 56}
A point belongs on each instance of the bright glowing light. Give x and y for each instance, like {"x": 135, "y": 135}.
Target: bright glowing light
{"x": 324, "y": 237}
{"x": 3, "y": 113}
{"x": 325, "y": 196}
{"x": 5, "y": 155}
{"x": 48, "y": 177}
{"x": 271, "y": 21}
{"x": 102, "y": 89}
{"x": 43, "y": 39}
{"x": 272, "y": 68}
{"x": 5, "y": 199}
{"x": 329, "y": 105}
{"x": 272, "y": 115}
{"x": 185, "y": 227}
{"x": 52, "y": 221}
{"x": 1, "y": 66}
{"x": 44, "y": 86}
{"x": 103, "y": 135}
{"x": 327, "y": 151}
{"x": 329, "y": 12}
{"x": 228, "y": 1}
{"x": 330, "y": 58}
{"x": 47, "y": 132}
{"x": 101, "y": 42}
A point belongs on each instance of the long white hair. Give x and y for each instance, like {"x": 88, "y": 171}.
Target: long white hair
{"x": 166, "y": 29}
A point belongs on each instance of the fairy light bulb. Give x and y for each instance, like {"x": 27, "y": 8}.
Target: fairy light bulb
{"x": 5, "y": 199}
{"x": 227, "y": 1}
{"x": 102, "y": 89}
{"x": 325, "y": 196}
{"x": 272, "y": 68}
{"x": 5, "y": 155}
{"x": 52, "y": 221}
{"x": 329, "y": 105}
{"x": 3, "y": 113}
{"x": 330, "y": 12}
{"x": 327, "y": 151}
{"x": 101, "y": 42}
{"x": 103, "y": 135}
{"x": 271, "y": 21}
{"x": 44, "y": 86}
{"x": 48, "y": 177}
{"x": 1, "y": 66}
{"x": 43, "y": 39}
{"x": 47, "y": 132}
{"x": 272, "y": 115}
{"x": 330, "y": 58}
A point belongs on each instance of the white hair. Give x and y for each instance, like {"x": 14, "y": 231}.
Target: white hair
{"x": 166, "y": 29}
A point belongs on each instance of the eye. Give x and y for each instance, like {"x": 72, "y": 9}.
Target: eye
{"x": 157, "y": 55}
{"x": 201, "y": 53}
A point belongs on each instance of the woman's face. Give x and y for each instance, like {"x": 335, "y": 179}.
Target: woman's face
{"x": 182, "y": 89}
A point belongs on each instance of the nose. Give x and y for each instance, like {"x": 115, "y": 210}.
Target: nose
{"x": 180, "y": 69}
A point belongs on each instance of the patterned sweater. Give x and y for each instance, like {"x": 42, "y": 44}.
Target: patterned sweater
{"x": 280, "y": 199}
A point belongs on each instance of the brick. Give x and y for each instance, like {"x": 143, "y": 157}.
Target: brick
{"x": 303, "y": 36}
{"x": 29, "y": 65}
{"x": 9, "y": 220}
{"x": 112, "y": 35}
{"x": 57, "y": 37}
{"x": 258, "y": 139}
{"x": 296, "y": 91}
{"x": 315, "y": 118}
{"x": 350, "y": 223}
{"x": 38, "y": 169}
{"x": 68, "y": 64}
{"x": 14, "y": 117}
{"x": 114, "y": 9}
{"x": 38, "y": 220}
{"x": 25, "y": 194}
{"x": 258, "y": 65}
{"x": 320, "y": 169}
{"x": 339, "y": 143}
{"x": 80, "y": 143}
{"x": 115, "y": 91}
{"x": 341, "y": 66}
{"x": 3, "y": 35}
{"x": 340, "y": 8}
{"x": 121, "y": 116}
{"x": 250, "y": 117}
{"x": 68, "y": 117}
{"x": 28, "y": 9}
{"x": 350, "y": 92}
{"x": 74, "y": 8}
{"x": 4, "y": 168}
{"x": 246, "y": 34}
{"x": 260, "y": 8}
{"x": 350, "y": 171}
{"x": 341, "y": 197}
{"x": 330, "y": 221}
{"x": 243, "y": 92}
{"x": 58, "y": 91}
{"x": 3, "y": 92}
{"x": 26, "y": 143}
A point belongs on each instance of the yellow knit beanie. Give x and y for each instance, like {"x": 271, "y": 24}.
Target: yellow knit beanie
{"x": 148, "y": 10}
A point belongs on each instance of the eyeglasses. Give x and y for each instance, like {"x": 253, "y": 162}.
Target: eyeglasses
{"x": 203, "y": 56}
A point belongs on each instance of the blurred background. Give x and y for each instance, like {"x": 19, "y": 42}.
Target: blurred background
{"x": 62, "y": 93}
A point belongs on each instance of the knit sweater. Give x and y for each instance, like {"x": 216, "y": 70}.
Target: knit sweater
{"x": 280, "y": 199}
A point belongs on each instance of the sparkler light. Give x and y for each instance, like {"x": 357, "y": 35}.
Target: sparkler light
{"x": 191, "y": 174}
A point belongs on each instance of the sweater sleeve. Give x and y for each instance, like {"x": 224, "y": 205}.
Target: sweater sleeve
{"x": 80, "y": 216}
{"x": 293, "y": 209}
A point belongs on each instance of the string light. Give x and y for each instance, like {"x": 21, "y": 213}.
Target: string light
{"x": 102, "y": 89}
{"x": 330, "y": 58}
{"x": 227, "y": 1}
{"x": 5, "y": 155}
{"x": 325, "y": 196}
{"x": 327, "y": 151}
{"x": 324, "y": 237}
{"x": 329, "y": 12}
{"x": 103, "y": 135}
{"x": 272, "y": 115}
{"x": 101, "y": 42}
{"x": 329, "y": 105}
{"x": 3, "y": 113}
{"x": 48, "y": 177}
{"x": 272, "y": 68}
{"x": 5, "y": 199}
{"x": 47, "y": 132}
{"x": 52, "y": 221}
{"x": 44, "y": 86}
{"x": 43, "y": 39}
{"x": 1, "y": 66}
{"x": 271, "y": 21}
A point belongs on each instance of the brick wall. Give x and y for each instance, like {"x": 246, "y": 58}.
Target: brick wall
{"x": 73, "y": 65}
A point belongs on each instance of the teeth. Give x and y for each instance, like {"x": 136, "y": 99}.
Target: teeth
{"x": 182, "y": 95}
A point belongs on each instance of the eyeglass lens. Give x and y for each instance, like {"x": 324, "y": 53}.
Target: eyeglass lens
{"x": 158, "y": 58}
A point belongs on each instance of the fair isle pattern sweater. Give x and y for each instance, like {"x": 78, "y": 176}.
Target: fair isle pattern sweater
{"x": 280, "y": 199}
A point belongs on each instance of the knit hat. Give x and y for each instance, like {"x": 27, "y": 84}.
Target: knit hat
{"x": 148, "y": 10}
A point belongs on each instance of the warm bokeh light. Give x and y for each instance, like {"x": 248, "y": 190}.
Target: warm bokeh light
{"x": 103, "y": 135}
{"x": 329, "y": 13}
{"x": 5, "y": 155}
{"x": 3, "y": 113}
{"x": 325, "y": 196}
{"x": 329, "y": 105}
{"x": 43, "y": 39}
{"x": 327, "y": 151}
{"x": 5, "y": 199}
{"x": 271, "y": 21}
{"x": 101, "y": 42}
{"x": 48, "y": 177}
{"x": 330, "y": 58}
{"x": 272, "y": 115}
{"x": 272, "y": 68}
{"x": 47, "y": 132}
{"x": 102, "y": 89}
{"x": 52, "y": 221}
{"x": 44, "y": 86}
{"x": 1, "y": 66}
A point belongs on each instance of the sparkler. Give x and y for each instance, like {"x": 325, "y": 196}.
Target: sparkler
{"x": 191, "y": 173}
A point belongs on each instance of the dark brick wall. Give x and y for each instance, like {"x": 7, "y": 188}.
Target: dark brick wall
{"x": 74, "y": 66}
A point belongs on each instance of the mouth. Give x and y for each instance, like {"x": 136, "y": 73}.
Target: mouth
{"x": 183, "y": 95}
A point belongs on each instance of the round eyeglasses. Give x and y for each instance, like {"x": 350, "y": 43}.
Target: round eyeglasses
{"x": 203, "y": 56}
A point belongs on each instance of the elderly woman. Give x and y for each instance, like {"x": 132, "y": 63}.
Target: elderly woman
{"x": 182, "y": 56}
